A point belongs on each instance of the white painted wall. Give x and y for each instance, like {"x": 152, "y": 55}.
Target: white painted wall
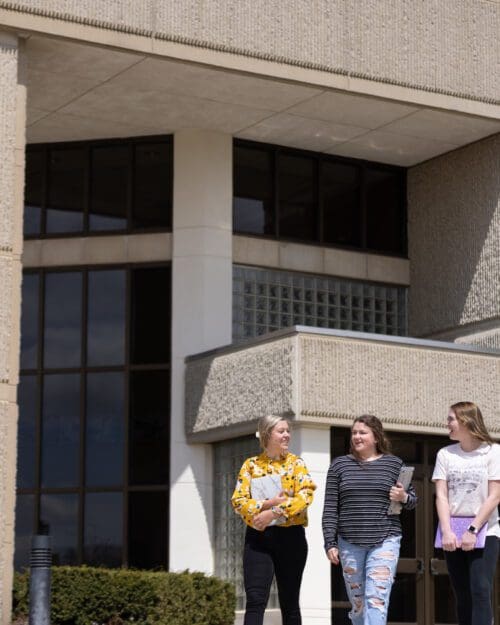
{"x": 201, "y": 320}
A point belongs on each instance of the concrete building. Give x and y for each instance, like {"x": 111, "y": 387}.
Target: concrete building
{"x": 230, "y": 209}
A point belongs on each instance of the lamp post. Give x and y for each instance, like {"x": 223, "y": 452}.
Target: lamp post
{"x": 40, "y": 563}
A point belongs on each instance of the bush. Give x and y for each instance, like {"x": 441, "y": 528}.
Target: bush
{"x": 98, "y": 596}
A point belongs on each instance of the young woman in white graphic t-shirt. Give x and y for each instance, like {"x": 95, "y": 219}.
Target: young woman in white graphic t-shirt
{"x": 467, "y": 477}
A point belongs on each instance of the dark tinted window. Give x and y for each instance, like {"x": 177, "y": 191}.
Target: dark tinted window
{"x": 153, "y": 184}
{"x": 103, "y": 532}
{"x": 110, "y": 177}
{"x": 297, "y": 197}
{"x": 148, "y": 433}
{"x": 61, "y": 430}
{"x": 25, "y": 518}
{"x": 105, "y": 429}
{"x": 340, "y": 188}
{"x": 26, "y": 450}
{"x": 253, "y": 200}
{"x": 150, "y": 326}
{"x": 106, "y": 318}
{"x": 385, "y": 223}
{"x": 59, "y": 516}
{"x": 148, "y": 522}
{"x": 29, "y": 321}
{"x": 63, "y": 319}
{"x": 95, "y": 425}
{"x": 34, "y": 191}
{"x": 66, "y": 190}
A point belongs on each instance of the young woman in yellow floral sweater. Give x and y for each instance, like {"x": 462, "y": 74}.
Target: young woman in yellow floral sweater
{"x": 275, "y": 542}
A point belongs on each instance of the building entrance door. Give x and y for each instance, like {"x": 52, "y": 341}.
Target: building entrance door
{"x": 421, "y": 594}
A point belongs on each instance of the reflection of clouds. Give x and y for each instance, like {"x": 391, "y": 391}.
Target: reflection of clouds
{"x": 63, "y": 310}
{"x": 103, "y": 528}
{"x": 106, "y": 317}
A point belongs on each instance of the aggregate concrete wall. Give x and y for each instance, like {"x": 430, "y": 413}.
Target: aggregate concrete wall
{"x": 447, "y": 46}
{"x": 323, "y": 377}
{"x": 454, "y": 234}
{"x": 12, "y": 125}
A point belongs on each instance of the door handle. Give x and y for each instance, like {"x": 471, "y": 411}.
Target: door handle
{"x": 433, "y": 565}
{"x": 420, "y": 566}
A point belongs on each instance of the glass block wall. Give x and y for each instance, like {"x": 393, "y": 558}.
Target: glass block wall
{"x": 229, "y": 527}
{"x": 265, "y": 300}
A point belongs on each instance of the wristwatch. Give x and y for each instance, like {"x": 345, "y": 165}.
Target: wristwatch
{"x": 472, "y": 529}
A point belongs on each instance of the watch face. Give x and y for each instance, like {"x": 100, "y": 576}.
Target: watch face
{"x": 472, "y": 529}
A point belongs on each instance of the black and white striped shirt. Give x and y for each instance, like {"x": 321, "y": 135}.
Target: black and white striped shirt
{"x": 357, "y": 501}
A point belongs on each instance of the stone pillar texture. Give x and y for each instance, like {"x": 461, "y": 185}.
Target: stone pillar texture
{"x": 454, "y": 234}
{"x": 12, "y": 144}
{"x": 201, "y": 320}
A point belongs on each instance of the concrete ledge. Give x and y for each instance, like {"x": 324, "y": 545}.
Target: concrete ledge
{"x": 327, "y": 377}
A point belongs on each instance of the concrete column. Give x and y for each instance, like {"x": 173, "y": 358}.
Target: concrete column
{"x": 313, "y": 445}
{"x": 201, "y": 320}
{"x": 12, "y": 147}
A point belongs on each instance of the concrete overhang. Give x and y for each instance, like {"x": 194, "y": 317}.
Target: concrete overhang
{"x": 327, "y": 377}
{"x": 80, "y": 91}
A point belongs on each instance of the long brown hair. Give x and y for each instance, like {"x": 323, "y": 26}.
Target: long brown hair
{"x": 382, "y": 443}
{"x": 469, "y": 415}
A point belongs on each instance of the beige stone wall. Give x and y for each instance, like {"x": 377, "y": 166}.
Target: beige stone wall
{"x": 447, "y": 46}
{"x": 12, "y": 125}
{"x": 454, "y": 234}
{"x": 326, "y": 378}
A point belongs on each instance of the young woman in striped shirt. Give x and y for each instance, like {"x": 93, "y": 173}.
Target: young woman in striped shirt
{"x": 357, "y": 529}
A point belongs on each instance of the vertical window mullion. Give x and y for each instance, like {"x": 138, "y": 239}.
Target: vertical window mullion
{"x": 318, "y": 202}
{"x": 126, "y": 416}
{"x": 363, "y": 211}
{"x": 83, "y": 418}
{"x": 276, "y": 191}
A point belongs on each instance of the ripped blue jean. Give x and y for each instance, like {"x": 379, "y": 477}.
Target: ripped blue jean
{"x": 369, "y": 574}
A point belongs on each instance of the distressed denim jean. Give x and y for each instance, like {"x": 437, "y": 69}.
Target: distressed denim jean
{"x": 369, "y": 574}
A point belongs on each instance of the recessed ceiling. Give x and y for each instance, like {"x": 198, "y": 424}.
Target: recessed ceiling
{"x": 78, "y": 91}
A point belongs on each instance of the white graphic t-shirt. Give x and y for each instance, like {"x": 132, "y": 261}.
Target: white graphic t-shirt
{"x": 467, "y": 474}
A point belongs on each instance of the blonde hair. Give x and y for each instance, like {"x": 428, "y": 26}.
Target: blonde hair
{"x": 469, "y": 415}
{"x": 266, "y": 426}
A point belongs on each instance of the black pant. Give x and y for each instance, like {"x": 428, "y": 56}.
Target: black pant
{"x": 280, "y": 551}
{"x": 472, "y": 574}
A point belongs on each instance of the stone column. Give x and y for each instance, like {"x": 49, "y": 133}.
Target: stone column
{"x": 201, "y": 320}
{"x": 313, "y": 445}
{"x": 12, "y": 144}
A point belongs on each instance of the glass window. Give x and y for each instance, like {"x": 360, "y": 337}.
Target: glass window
{"x": 150, "y": 325}
{"x": 153, "y": 186}
{"x": 26, "y": 444}
{"x": 297, "y": 197}
{"x": 253, "y": 200}
{"x": 340, "y": 192}
{"x": 104, "y": 429}
{"x": 63, "y": 319}
{"x": 61, "y": 430}
{"x": 25, "y": 518}
{"x": 59, "y": 516}
{"x": 148, "y": 430}
{"x": 29, "y": 321}
{"x": 66, "y": 190}
{"x": 106, "y": 317}
{"x": 385, "y": 219}
{"x": 110, "y": 178}
{"x": 34, "y": 192}
{"x": 148, "y": 534}
{"x": 103, "y": 533}
{"x": 266, "y": 300}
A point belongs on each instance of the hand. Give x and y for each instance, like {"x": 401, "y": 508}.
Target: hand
{"x": 333, "y": 555}
{"x": 275, "y": 501}
{"x": 398, "y": 493}
{"x": 449, "y": 541}
{"x": 468, "y": 541}
{"x": 262, "y": 520}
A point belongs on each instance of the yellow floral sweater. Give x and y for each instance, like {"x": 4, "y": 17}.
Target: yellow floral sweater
{"x": 295, "y": 481}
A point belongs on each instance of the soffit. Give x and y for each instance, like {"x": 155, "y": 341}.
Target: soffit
{"x": 78, "y": 91}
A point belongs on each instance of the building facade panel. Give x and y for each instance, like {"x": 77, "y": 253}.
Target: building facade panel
{"x": 443, "y": 46}
{"x": 454, "y": 229}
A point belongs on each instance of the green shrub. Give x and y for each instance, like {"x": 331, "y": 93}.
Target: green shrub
{"x": 98, "y": 596}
